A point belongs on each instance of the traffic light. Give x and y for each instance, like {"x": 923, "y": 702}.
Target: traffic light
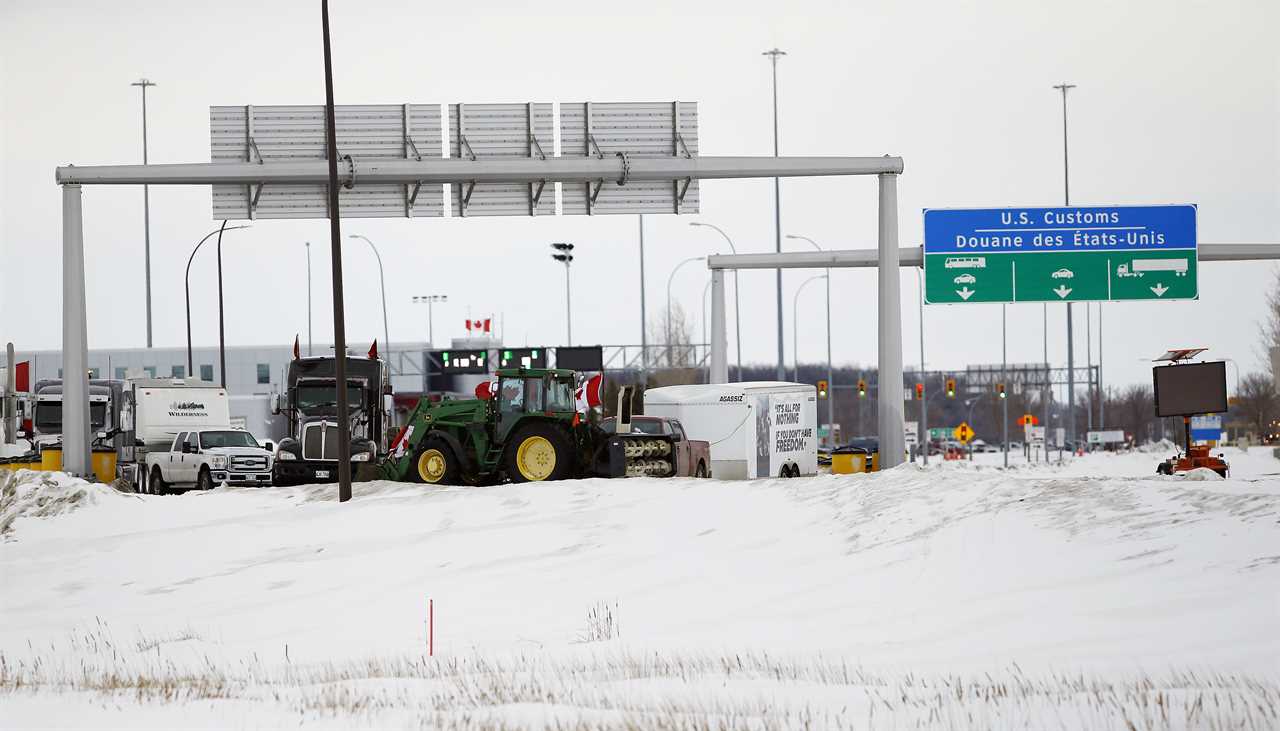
{"x": 822, "y": 389}
{"x": 919, "y": 392}
{"x": 862, "y": 388}
{"x": 1000, "y": 390}
{"x": 951, "y": 388}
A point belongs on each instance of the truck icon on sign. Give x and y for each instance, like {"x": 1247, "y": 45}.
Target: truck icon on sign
{"x": 1138, "y": 267}
{"x": 965, "y": 262}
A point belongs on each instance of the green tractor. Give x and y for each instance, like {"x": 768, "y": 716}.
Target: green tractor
{"x": 529, "y": 430}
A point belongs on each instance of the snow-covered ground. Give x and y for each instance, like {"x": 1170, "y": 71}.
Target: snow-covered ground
{"x": 1087, "y": 594}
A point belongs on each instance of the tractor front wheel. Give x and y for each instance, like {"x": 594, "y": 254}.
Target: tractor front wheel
{"x": 539, "y": 451}
{"x": 436, "y": 463}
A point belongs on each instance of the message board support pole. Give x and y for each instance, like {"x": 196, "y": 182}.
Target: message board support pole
{"x": 889, "y": 403}
{"x": 719, "y": 332}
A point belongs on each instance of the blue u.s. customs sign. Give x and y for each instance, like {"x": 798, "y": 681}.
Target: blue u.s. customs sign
{"x": 1069, "y": 254}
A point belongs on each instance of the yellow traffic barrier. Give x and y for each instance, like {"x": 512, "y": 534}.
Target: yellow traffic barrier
{"x": 103, "y": 462}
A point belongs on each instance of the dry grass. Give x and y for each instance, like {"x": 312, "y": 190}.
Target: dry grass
{"x": 623, "y": 690}
{"x": 602, "y": 623}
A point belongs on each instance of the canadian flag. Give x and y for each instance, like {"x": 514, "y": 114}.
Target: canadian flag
{"x": 479, "y": 324}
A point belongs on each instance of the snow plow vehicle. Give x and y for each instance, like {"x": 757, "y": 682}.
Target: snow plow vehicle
{"x": 529, "y": 429}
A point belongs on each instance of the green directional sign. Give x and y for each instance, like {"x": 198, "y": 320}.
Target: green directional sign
{"x": 1060, "y": 254}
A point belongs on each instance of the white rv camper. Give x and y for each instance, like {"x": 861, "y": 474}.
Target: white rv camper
{"x": 756, "y": 429}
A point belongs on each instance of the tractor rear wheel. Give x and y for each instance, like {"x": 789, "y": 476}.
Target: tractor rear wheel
{"x": 436, "y": 463}
{"x": 539, "y": 451}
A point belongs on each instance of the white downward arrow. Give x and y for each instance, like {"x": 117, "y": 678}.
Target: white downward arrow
{"x": 1062, "y": 290}
{"x": 1159, "y": 289}
{"x": 965, "y": 293}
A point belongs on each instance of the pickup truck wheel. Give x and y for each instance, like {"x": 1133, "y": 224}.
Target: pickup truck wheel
{"x": 436, "y": 463}
{"x": 701, "y": 471}
{"x": 205, "y": 480}
{"x": 538, "y": 452}
{"x": 156, "y": 484}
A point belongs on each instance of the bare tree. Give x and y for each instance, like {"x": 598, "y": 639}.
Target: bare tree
{"x": 1256, "y": 402}
{"x": 1271, "y": 327}
{"x": 673, "y": 332}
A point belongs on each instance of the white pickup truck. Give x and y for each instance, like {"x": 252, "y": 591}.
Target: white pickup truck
{"x": 204, "y": 458}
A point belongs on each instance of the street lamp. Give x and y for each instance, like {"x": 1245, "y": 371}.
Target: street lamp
{"x": 773, "y": 55}
{"x": 308, "y": 243}
{"x": 795, "y": 324}
{"x": 564, "y": 255}
{"x": 382, "y": 283}
{"x": 429, "y": 300}
{"x": 668, "y": 322}
{"x": 737, "y": 311}
{"x": 146, "y": 203}
{"x": 208, "y": 236}
{"x": 1071, "y": 352}
{"x": 831, "y": 402}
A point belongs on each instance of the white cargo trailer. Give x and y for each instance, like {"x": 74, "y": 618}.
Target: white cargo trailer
{"x": 756, "y": 429}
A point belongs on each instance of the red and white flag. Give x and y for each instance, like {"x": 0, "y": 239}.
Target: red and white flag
{"x": 480, "y": 325}
{"x": 587, "y": 396}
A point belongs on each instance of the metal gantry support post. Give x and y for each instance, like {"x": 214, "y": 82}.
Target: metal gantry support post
{"x": 719, "y": 333}
{"x": 75, "y": 339}
{"x": 892, "y": 440}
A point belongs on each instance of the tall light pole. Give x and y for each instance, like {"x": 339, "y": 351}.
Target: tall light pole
{"x": 224, "y": 227}
{"x": 773, "y": 55}
{"x": 831, "y": 401}
{"x": 670, "y": 279}
{"x": 429, "y": 300}
{"x": 1071, "y": 359}
{"x": 564, "y": 255}
{"x": 737, "y": 311}
{"x": 146, "y": 203}
{"x": 795, "y": 327}
{"x": 382, "y": 283}
{"x": 308, "y": 299}
{"x": 644, "y": 326}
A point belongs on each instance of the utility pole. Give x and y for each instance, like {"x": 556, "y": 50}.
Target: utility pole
{"x": 922, "y": 433}
{"x": 146, "y": 203}
{"x": 565, "y": 256}
{"x": 773, "y": 55}
{"x": 1071, "y": 359}
{"x": 335, "y": 245}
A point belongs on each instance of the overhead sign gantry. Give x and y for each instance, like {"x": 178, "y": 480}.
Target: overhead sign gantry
{"x": 606, "y": 158}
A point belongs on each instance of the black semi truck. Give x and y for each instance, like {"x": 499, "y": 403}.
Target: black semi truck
{"x": 310, "y": 452}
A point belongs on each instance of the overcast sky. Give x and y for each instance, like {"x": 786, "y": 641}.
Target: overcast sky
{"x": 1177, "y": 102}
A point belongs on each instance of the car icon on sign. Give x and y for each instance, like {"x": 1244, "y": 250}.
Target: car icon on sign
{"x": 965, "y": 279}
{"x": 1063, "y": 274}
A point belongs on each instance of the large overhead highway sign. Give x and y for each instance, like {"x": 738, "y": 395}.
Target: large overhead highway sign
{"x": 1071, "y": 254}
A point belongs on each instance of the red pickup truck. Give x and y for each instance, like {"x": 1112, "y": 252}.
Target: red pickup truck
{"x": 692, "y": 456}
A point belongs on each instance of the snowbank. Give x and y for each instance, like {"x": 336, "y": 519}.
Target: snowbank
{"x": 36, "y": 494}
{"x": 1091, "y": 592}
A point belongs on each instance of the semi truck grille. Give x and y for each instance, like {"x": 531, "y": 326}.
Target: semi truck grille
{"x": 320, "y": 441}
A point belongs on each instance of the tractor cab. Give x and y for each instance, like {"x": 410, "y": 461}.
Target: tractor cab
{"x": 524, "y": 392}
